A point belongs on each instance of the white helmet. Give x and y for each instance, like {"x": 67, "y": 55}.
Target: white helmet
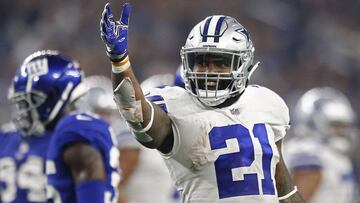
{"x": 94, "y": 95}
{"x": 157, "y": 81}
{"x": 222, "y": 41}
{"x": 321, "y": 111}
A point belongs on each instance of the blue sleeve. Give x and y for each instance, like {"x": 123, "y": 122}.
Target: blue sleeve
{"x": 305, "y": 161}
{"x": 83, "y": 128}
{"x": 90, "y": 191}
{"x": 158, "y": 100}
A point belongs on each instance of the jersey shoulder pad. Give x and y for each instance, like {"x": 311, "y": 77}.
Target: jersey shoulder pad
{"x": 78, "y": 122}
{"x": 267, "y": 96}
{"x": 82, "y": 127}
{"x": 268, "y": 102}
{"x": 268, "y": 107}
{"x": 161, "y": 96}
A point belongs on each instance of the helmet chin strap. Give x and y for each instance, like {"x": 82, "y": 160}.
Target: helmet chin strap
{"x": 37, "y": 127}
{"x": 211, "y": 101}
{"x": 254, "y": 67}
{"x": 208, "y": 97}
{"x": 222, "y": 95}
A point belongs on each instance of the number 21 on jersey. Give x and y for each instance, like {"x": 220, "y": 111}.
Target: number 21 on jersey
{"x": 234, "y": 174}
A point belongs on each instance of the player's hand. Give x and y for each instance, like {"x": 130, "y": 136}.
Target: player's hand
{"x": 115, "y": 33}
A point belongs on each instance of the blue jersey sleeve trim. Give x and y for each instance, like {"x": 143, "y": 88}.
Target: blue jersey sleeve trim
{"x": 90, "y": 191}
{"x": 304, "y": 160}
{"x": 155, "y": 98}
{"x": 158, "y": 100}
{"x": 307, "y": 167}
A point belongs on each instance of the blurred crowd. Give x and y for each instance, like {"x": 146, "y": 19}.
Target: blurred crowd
{"x": 301, "y": 44}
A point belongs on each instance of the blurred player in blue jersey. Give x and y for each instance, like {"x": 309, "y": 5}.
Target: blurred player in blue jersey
{"x": 318, "y": 154}
{"x": 81, "y": 161}
{"x": 221, "y": 138}
{"x": 22, "y": 165}
{"x": 24, "y": 146}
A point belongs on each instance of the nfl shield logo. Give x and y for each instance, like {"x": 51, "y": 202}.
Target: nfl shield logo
{"x": 235, "y": 112}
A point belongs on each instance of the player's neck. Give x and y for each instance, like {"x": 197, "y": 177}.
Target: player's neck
{"x": 229, "y": 101}
{"x": 52, "y": 125}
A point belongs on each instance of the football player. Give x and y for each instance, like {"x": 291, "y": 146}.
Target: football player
{"x": 81, "y": 160}
{"x": 220, "y": 137}
{"x": 22, "y": 165}
{"x": 317, "y": 155}
{"x": 140, "y": 166}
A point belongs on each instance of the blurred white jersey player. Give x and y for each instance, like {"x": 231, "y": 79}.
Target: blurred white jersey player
{"x": 140, "y": 167}
{"x": 317, "y": 155}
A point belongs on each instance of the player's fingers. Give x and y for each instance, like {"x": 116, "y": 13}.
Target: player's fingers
{"x": 125, "y": 15}
{"x": 107, "y": 14}
{"x": 103, "y": 37}
{"x": 108, "y": 10}
{"x": 103, "y": 19}
{"x": 106, "y": 24}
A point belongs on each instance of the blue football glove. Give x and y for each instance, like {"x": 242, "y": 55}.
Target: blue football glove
{"x": 115, "y": 33}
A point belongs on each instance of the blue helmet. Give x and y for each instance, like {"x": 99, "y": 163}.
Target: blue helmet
{"x": 41, "y": 89}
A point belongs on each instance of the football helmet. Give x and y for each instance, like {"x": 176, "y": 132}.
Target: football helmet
{"x": 223, "y": 42}
{"x": 41, "y": 89}
{"x": 95, "y": 95}
{"x": 326, "y": 113}
{"x": 157, "y": 81}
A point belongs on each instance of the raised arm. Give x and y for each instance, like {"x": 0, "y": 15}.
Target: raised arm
{"x": 287, "y": 191}
{"x": 151, "y": 126}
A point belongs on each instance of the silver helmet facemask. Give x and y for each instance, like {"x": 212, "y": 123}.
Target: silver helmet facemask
{"x": 26, "y": 117}
{"x": 217, "y": 64}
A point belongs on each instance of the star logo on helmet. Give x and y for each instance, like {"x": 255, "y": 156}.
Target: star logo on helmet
{"x": 244, "y": 32}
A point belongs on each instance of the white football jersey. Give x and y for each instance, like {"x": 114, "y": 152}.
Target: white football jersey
{"x": 227, "y": 154}
{"x": 150, "y": 182}
{"x": 337, "y": 184}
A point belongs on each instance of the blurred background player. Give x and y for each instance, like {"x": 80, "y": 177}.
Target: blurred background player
{"x": 22, "y": 165}
{"x": 140, "y": 167}
{"x": 24, "y": 141}
{"x": 81, "y": 162}
{"x": 318, "y": 154}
